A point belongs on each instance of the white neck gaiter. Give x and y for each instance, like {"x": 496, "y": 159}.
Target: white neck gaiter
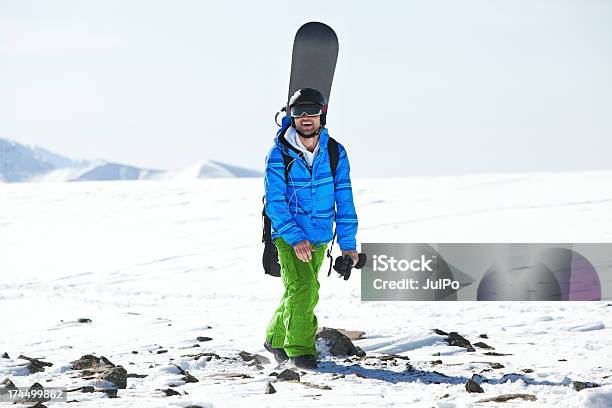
{"x": 294, "y": 140}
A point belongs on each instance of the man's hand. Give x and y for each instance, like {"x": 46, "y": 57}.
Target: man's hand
{"x": 353, "y": 254}
{"x": 303, "y": 250}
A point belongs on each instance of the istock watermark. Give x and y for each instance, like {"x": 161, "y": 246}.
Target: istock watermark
{"x": 487, "y": 271}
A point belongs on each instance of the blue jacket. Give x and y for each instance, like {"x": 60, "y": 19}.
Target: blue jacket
{"x": 305, "y": 206}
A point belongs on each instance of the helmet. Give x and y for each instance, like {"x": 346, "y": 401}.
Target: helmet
{"x": 308, "y": 96}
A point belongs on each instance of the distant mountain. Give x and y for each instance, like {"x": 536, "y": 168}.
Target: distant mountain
{"x": 19, "y": 163}
{"x": 97, "y": 171}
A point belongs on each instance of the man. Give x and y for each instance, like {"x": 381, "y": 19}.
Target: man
{"x": 302, "y": 208}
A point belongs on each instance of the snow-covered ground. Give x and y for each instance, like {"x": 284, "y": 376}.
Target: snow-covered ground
{"x": 155, "y": 264}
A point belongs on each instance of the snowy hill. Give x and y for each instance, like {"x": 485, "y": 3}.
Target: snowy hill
{"x": 210, "y": 169}
{"x": 20, "y": 163}
{"x": 167, "y": 276}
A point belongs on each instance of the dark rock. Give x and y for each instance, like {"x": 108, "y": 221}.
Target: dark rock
{"x": 480, "y": 344}
{"x": 579, "y": 385}
{"x": 455, "y": 339}
{"x": 170, "y": 392}
{"x": 388, "y": 357}
{"x": 527, "y": 370}
{"x": 84, "y": 389}
{"x": 162, "y": 351}
{"x": 133, "y": 375}
{"x": 288, "y": 375}
{"x": 84, "y": 320}
{"x": 246, "y": 356}
{"x": 440, "y": 332}
{"x": 269, "y": 388}
{"x": 188, "y": 378}
{"x": 115, "y": 375}
{"x": 492, "y": 364}
{"x": 237, "y": 375}
{"x": 445, "y": 396}
{"x": 353, "y": 334}
{"x": 562, "y": 359}
{"x": 209, "y": 356}
{"x": 106, "y": 362}
{"x": 508, "y": 397}
{"x": 6, "y": 385}
{"x": 317, "y": 386}
{"x": 436, "y": 362}
{"x": 483, "y": 336}
{"x": 36, "y": 387}
{"x": 89, "y": 361}
{"x": 496, "y": 354}
{"x": 36, "y": 365}
{"x": 4, "y": 355}
{"x": 472, "y": 386}
{"x": 203, "y": 338}
{"x": 339, "y": 344}
{"x": 256, "y": 365}
{"x": 134, "y": 352}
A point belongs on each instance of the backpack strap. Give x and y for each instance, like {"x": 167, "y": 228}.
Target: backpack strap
{"x": 329, "y": 255}
{"x": 334, "y": 155}
{"x": 288, "y": 160}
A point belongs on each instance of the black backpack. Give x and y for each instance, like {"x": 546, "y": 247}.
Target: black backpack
{"x": 270, "y": 254}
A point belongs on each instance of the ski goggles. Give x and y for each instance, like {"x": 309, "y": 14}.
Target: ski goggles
{"x": 298, "y": 111}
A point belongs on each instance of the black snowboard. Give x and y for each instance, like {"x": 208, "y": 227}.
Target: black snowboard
{"x": 313, "y": 62}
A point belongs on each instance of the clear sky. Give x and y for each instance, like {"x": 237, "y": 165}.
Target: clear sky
{"x": 421, "y": 87}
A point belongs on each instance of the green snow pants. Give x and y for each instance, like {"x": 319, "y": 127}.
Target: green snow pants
{"x": 294, "y": 325}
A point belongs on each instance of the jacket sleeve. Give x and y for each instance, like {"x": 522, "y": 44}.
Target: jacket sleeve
{"x": 276, "y": 203}
{"x": 346, "y": 217}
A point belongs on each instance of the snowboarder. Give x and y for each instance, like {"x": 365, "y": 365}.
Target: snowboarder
{"x": 303, "y": 199}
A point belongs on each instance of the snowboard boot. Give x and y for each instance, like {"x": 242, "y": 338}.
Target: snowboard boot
{"x": 304, "y": 362}
{"x": 278, "y": 353}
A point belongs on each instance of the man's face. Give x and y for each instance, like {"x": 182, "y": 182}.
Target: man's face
{"x": 308, "y": 125}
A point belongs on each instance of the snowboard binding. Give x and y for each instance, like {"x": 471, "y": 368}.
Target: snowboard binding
{"x": 343, "y": 265}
